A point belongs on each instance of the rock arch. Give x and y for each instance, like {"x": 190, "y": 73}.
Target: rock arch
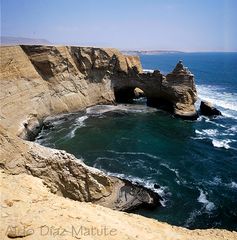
{"x": 175, "y": 92}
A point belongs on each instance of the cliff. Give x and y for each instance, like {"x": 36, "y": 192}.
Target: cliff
{"x": 47, "y": 80}
{"x": 40, "y": 81}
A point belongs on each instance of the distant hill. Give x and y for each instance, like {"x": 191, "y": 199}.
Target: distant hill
{"x": 6, "y": 41}
{"x": 144, "y": 52}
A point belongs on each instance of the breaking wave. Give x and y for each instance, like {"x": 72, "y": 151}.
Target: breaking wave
{"x": 148, "y": 70}
{"x": 226, "y": 101}
{"x": 79, "y": 122}
{"x": 221, "y": 143}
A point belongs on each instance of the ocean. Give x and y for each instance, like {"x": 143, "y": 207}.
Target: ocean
{"x": 194, "y": 162}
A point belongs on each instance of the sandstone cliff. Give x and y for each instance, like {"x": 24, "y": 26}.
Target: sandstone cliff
{"x": 40, "y": 81}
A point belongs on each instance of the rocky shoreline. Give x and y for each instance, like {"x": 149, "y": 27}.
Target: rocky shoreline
{"x": 41, "y": 81}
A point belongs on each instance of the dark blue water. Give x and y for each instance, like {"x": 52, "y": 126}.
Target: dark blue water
{"x": 194, "y": 162}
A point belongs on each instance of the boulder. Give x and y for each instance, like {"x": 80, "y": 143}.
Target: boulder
{"x": 138, "y": 93}
{"x": 207, "y": 109}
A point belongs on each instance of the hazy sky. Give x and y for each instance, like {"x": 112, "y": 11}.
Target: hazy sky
{"x": 187, "y": 25}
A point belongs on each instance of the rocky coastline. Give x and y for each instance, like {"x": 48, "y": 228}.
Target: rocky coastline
{"x": 41, "y": 81}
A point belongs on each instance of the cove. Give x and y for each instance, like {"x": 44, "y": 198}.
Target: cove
{"x": 149, "y": 147}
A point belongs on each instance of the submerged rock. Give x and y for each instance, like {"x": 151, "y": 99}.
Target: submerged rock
{"x": 207, "y": 109}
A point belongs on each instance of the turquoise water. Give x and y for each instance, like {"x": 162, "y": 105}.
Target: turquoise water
{"x": 194, "y": 162}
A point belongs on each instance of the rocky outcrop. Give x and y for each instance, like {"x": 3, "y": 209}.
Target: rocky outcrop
{"x": 180, "y": 87}
{"x": 207, "y": 109}
{"x": 67, "y": 176}
{"x": 138, "y": 93}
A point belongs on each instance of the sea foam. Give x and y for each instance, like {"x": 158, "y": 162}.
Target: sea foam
{"x": 135, "y": 153}
{"x": 226, "y": 101}
{"x": 209, "y": 206}
{"x": 221, "y": 143}
{"x": 132, "y": 108}
{"x": 78, "y": 124}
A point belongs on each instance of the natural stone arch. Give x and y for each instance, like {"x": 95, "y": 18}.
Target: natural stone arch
{"x": 175, "y": 92}
{"x": 128, "y": 94}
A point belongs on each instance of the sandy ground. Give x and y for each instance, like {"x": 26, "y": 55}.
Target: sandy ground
{"x": 30, "y": 211}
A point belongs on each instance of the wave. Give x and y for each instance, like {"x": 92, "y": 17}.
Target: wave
{"x": 219, "y": 97}
{"x": 209, "y": 206}
{"x": 79, "y": 122}
{"x": 221, "y": 143}
{"x": 217, "y": 181}
{"x": 232, "y": 130}
{"x": 207, "y": 132}
{"x": 135, "y": 153}
{"x": 233, "y": 185}
{"x": 133, "y": 108}
{"x": 171, "y": 169}
{"x": 213, "y": 135}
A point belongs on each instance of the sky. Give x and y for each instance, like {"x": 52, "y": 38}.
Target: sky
{"x": 184, "y": 25}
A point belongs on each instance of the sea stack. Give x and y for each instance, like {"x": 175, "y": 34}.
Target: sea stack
{"x": 181, "y": 88}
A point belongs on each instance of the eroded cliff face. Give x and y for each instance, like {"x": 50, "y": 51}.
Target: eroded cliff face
{"x": 44, "y": 83}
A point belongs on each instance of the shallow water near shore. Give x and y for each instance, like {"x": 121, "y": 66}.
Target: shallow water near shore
{"x": 194, "y": 162}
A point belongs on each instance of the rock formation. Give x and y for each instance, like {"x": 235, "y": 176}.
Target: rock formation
{"x": 207, "y": 109}
{"x": 175, "y": 92}
{"x": 41, "y": 81}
